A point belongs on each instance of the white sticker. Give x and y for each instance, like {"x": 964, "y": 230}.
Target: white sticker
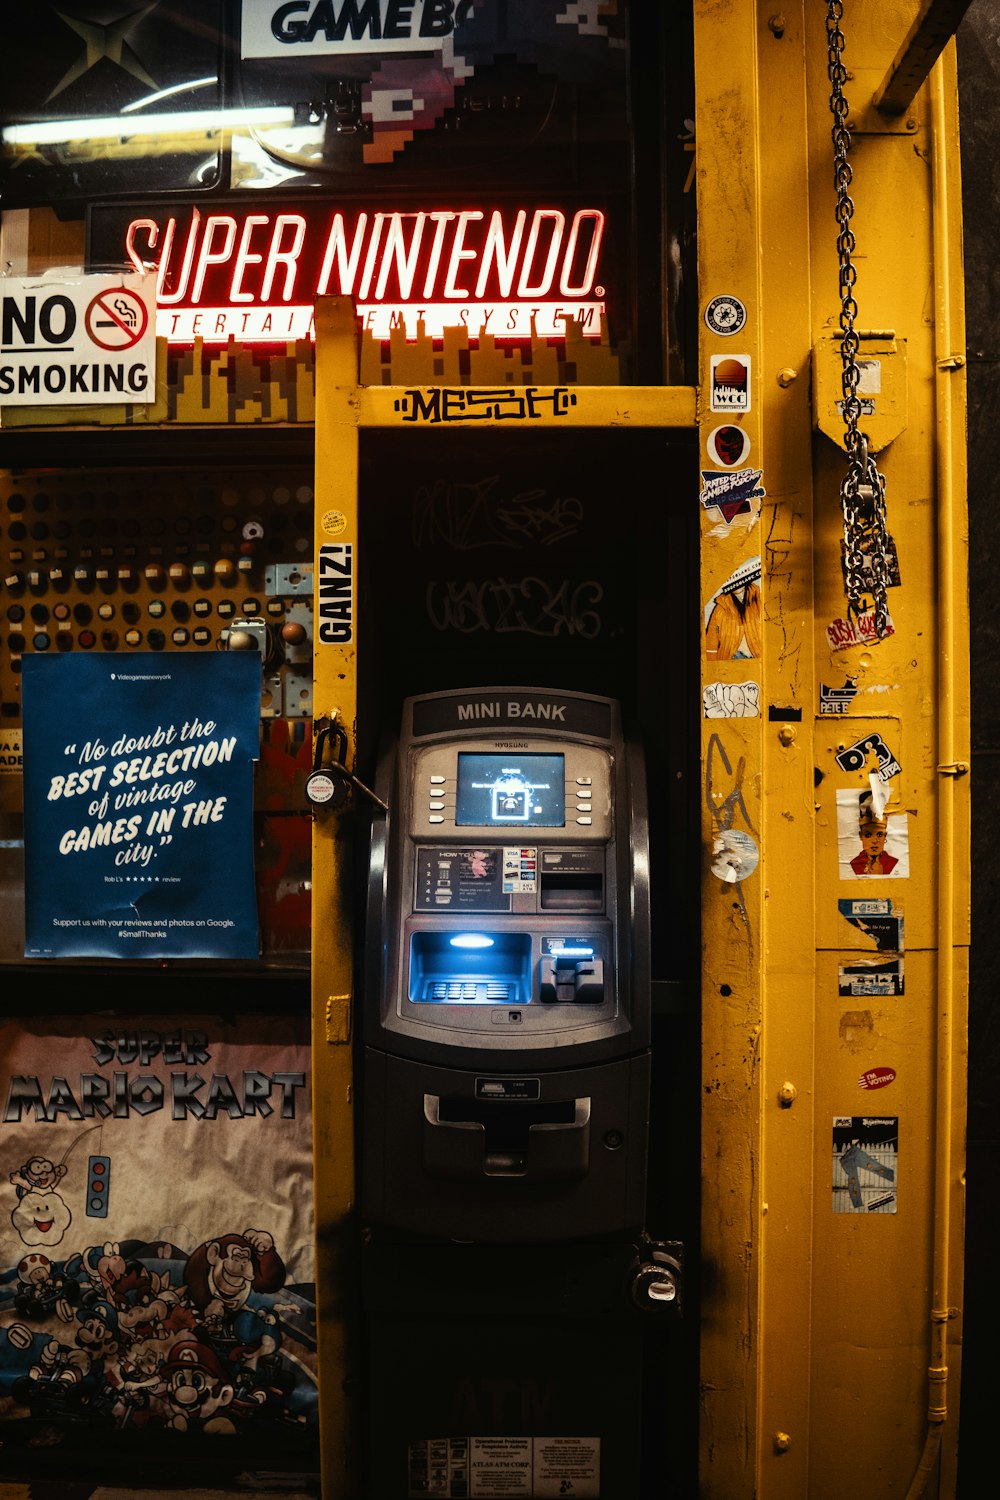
{"x": 731, "y": 700}
{"x": 734, "y": 855}
{"x": 10, "y": 752}
{"x": 730, "y": 388}
{"x": 568, "y": 1466}
{"x": 495, "y": 1468}
{"x": 725, "y": 315}
{"x": 872, "y": 843}
{"x": 500, "y": 1466}
{"x": 520, "y": 869}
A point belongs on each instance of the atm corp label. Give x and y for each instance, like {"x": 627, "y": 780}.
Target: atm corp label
{"x": 335, "y": 593}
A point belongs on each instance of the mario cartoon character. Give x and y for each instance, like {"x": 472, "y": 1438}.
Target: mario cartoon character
{"x": 38, "y": 1175}
{"x": 103, "y": 1266}
{"x": 40, "y": 1218}
{"x": 221, "y": 1273}
{"x": 41, "y": 1289}
{"x": 196, "y": 1389}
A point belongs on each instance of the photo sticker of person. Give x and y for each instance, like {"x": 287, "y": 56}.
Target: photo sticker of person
{"x": 862, "y": 818}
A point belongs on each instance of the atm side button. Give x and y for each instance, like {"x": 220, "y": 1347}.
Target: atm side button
{"x": 437, "y": 818}
{"x": 584, "y": 820}
{"x": 437, "y": 781}
{"x": 436, "y": 806}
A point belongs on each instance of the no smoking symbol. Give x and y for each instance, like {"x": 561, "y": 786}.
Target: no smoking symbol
{"x": 116, "y": 319}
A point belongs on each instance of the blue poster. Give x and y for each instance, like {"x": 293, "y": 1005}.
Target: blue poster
{"x": 138, "y": 805}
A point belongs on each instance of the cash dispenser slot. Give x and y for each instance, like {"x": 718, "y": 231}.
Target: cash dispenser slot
{"x": 470, "y": 967}
{"x": 542, "y": 1141}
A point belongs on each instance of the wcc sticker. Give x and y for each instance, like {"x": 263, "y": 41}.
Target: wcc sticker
{"x": 879, "y": 970}
{"x": 726, "y": 497}
{"x": 730, "y": 382}
{"x": 872, "y": 843}
{"x": 865, "y": 1164}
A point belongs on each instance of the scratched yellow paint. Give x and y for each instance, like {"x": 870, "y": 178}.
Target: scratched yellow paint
{"x": 809, "y": 1317}
{"x": 335, "y": 701}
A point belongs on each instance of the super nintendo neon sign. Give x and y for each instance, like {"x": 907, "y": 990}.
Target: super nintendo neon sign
{"x": 254, "y": 274}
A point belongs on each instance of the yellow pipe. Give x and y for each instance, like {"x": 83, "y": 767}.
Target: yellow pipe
{"x": 945, "y": 364}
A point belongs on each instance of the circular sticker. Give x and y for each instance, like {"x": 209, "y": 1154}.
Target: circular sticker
{"x": 725, "y": 315}
{"x": 334, "y": 522}
{"x": 320, "y": 787}
{"x": 728, "y": 446}
{"x": 734, "y": 856}
{"x": 116, "y": 319}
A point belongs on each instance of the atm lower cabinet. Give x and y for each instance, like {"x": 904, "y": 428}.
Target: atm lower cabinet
{"x": 502, "y": 1371}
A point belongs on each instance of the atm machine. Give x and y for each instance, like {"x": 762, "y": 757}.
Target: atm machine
{"x": 505, "y": 1100}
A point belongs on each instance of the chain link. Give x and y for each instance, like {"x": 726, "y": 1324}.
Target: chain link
{"x": 862, "y": 491}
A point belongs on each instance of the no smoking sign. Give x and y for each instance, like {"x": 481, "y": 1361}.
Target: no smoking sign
{"x": 116, "y": 319}
{"x": 87, "y": 340}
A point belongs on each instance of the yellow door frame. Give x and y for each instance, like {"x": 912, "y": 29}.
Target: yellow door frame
{"x": 810, "y": 1320}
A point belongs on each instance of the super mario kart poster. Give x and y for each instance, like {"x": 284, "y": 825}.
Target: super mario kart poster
{"x": 138, "y": 805}
{"x": 156, "y": 1248}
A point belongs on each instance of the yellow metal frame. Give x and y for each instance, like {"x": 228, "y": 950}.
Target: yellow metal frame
{"x": 829, "y": 1343}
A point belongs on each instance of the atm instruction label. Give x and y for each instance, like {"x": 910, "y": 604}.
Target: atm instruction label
{"x": 496, "y": 1468}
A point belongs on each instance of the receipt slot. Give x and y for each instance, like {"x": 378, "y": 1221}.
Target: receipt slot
{"x": 506, "y": 1068}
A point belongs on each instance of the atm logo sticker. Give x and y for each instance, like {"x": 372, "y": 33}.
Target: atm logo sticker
{"x": 336, "y": 594}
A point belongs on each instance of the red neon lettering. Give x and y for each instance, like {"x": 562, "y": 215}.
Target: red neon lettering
{"x": 494, "y": 249}
{"x": 245, "y": 257}
{"x": 336, "y": 246}
{"x": 368, "y": 272}
{"x": 408, "y": 257}
{"x": 180, "y": 290}
{"x": 566, "y": 287}
{"x": 152, "y": 234}
{"x": 395, "y": 248}
{"x": 465, "y": 218}
{"x": 208, "y": 256}
{"x": 441, "y": 220}
{"x": 524, "y": 287}
{"x": 287, "y": 258}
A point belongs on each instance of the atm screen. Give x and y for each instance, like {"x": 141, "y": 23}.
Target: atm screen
{"x": 517, "y": 791}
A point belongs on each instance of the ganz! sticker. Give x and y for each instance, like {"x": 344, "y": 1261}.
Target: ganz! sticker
{"x": 336, "y": 593}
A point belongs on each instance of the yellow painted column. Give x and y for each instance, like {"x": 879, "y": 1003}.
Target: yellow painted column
{"x": 831, "y": 1309}
{"x": 730, "y": 383}
{"x": 335, "y": 703}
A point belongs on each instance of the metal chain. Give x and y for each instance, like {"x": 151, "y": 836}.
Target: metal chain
{"x": 862, "y": 492}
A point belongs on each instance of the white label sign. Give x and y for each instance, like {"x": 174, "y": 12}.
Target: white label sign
{"x": 326, "y": 28}
{"x": 88, "y": 341}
